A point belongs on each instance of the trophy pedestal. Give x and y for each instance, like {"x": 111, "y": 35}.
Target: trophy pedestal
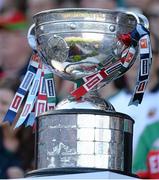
{"x": 79, "y": 173}
{"x": 84, "y": 138}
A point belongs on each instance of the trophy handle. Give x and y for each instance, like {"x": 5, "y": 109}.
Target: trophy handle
{"x": 31, "y": 37}
{"x": 141, "y": 19}
{"x": 144, "y": 21}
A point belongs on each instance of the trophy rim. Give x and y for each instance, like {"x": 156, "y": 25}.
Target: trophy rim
{"x": 95, "y": 10}
{"x": 87, "y": 111}
{"x": 77, "y": 9}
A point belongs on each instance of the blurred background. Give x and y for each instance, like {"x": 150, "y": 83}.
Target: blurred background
{"x": 17, "y": 146}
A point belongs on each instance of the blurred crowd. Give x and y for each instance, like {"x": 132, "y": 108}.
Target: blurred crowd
{"x": 17, "y": 146}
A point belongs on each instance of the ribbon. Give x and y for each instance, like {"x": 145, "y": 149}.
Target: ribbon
{"x": 30, "y": 99}
{"x": 23, "y": 89}
{"x": 31, "y": 119}
{"x": 41, "y": 104}
{"x": 91, "y": 81}
{"x": 143, "y": 36}
{"x": 41, "y": 101}
{"x": 50, "y": 88}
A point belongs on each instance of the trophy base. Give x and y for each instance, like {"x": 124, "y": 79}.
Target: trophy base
{"x": 80, "y": 173}
{"x": 84, "y": 138}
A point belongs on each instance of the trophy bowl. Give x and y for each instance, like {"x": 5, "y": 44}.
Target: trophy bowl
{"x": 85, "y": 133}
{"x": 76, "y": 43}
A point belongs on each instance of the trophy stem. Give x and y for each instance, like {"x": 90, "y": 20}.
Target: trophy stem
{"x": 94, "y": 97}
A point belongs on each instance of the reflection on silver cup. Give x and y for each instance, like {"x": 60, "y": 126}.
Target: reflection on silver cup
{"x": 78, "y": 42}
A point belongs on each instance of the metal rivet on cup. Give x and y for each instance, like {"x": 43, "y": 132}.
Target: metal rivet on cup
{"x": 73, "y": 26}
{"x": 112, "y": 28}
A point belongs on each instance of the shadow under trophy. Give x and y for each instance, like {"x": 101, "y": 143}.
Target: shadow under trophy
{"x": 90, "y": 47}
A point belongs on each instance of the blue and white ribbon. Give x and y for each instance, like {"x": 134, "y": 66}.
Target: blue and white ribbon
{"x": 30, "y": 99}
{"x": 22, "y": 90}
{"x": 142, "y": 35}
{"x": 31, "y": 119}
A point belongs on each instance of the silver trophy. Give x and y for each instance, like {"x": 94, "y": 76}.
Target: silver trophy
{"x": 85, "y": 132}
